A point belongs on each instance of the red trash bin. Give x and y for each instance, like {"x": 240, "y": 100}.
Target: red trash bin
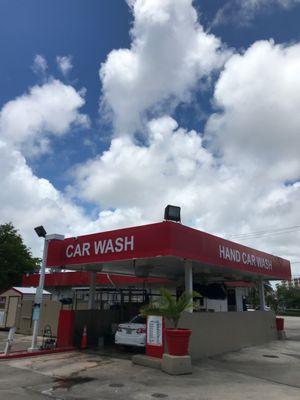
{"x": 280, "y": 324}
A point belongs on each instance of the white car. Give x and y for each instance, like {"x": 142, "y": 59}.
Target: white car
{"x": 132, "y": 333}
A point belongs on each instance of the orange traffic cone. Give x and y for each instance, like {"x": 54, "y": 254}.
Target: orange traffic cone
{"x": 84, "y": 338}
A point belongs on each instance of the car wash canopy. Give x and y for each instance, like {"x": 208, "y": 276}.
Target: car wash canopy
{"x": 163, "y": 248}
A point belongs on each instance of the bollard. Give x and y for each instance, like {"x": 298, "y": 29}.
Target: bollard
{"x": 84, "y": 338}
{"x": 9, "y": 341}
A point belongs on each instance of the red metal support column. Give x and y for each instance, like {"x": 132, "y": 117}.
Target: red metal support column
{"x": 65, "y": 328}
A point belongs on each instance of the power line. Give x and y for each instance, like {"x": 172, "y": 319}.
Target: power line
{"x": 270, "y": 232}
{"x": 295, "y": 227}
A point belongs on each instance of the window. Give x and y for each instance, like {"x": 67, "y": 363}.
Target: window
{"x": 139, "y": 319}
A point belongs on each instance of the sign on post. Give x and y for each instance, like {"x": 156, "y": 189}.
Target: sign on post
{"x": 36, "y": 312}
{"x": 155, "y": 337}
{"x": 38, "y": 295}
{"x": 154, "y": 330}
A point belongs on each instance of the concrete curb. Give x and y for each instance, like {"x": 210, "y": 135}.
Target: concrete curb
{"x": 22, "y": 354}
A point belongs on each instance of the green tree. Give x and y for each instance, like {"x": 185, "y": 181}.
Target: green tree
{"x": 15, "y": 258}
{"x": 253, "y": 297}
{"x": 288, "y": 297}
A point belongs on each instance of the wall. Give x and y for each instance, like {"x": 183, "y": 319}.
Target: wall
{"x": 217, "y": 305}
{"x": 49, "y": 316}
{"x": 10, "y": 293}
{"x": 217, "y": 333}
{"x": 98, "y": 322}
{"x": 24, "y": 317}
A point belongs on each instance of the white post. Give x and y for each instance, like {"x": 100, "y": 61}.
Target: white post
{"x": 188, "y": 275}
{"x": 239, "y": 299}
{"x": 38, "y": 300}
{"x": 92, "y": 291}
{"x": 261, "y": 291}
{"x": 9, "y": 340}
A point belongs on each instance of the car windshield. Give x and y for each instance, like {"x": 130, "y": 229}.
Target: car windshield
{"x": 139, "y": 319}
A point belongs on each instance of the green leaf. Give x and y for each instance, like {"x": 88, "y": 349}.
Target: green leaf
{"x": 15, "y": 258}
{"x": 169, "y": 307}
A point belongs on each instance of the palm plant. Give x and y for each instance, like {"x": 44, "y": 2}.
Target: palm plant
{"x": 170, "y": 307}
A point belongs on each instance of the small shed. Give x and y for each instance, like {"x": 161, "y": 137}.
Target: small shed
{"x": 11, "y": 303}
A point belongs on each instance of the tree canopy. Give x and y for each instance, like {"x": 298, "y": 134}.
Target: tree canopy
{"x": 15, "y": 258}
{"x": 288, "y": 297}
{"x": 284, "y": 297}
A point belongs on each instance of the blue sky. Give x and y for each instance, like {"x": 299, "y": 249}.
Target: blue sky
{"x": 87, "y": 31}
{"x": 203, "y": 117}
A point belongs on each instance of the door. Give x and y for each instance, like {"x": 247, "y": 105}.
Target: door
{"x": 11, "y": 311}
{"x": 231, "y": 300}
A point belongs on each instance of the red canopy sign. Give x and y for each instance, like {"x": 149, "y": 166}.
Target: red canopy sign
{"x": 164, "y": 239}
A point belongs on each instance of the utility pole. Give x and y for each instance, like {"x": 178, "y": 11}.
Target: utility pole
{"x": 38, "y": 300}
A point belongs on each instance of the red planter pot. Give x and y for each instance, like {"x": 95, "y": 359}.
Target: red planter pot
{"x": 178, "y": 341}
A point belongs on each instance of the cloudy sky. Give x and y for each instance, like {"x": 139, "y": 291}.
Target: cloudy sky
{"x": 110, "y": 110}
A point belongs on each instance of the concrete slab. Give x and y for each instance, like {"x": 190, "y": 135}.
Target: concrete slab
{"x": 146, "y": 361}
{"x": 176, "y": 365}
{"x": 121, "y": 379}
{"x": 20, "y": 343}
{"x": 278, "y": 361}
{"x": 246, "y": 375}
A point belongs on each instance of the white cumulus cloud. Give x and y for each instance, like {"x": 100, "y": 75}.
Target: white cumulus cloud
{"x": 244, "y": 11}
{"x": 243, "y": 176}
{"x": 169, "y": 54}
{"x": 40, "y": 65}
{"x": 176, "y": 168}
{"x": 64, "y": 64}
{"x": 148, "y": 176}
{"x": 259, "y": 95}
{"x": 26, "y": 126}
{"x": 28, "y": 201}
{"x": 240, "y": 175}
{"x": 256, "y": 4}
{"x": 49, "y": 109}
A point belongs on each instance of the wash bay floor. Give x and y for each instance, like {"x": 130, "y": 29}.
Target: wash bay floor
{"x": 266, "y": 372}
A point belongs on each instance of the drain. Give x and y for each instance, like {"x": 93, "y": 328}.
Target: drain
{"x": 159, "y": 395}
{"x": 270, "y": 356}
{"x": 116, "y": 385}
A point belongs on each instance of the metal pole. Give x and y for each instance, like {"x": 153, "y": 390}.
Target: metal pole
{"x": 92, "y": 290}
{"x": 188, "y": 275}
{"x": 261, "y": 289}
{"x": 39, "y": 299}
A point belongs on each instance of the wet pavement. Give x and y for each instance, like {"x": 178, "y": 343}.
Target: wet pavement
{"x": 264, "y": 372}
